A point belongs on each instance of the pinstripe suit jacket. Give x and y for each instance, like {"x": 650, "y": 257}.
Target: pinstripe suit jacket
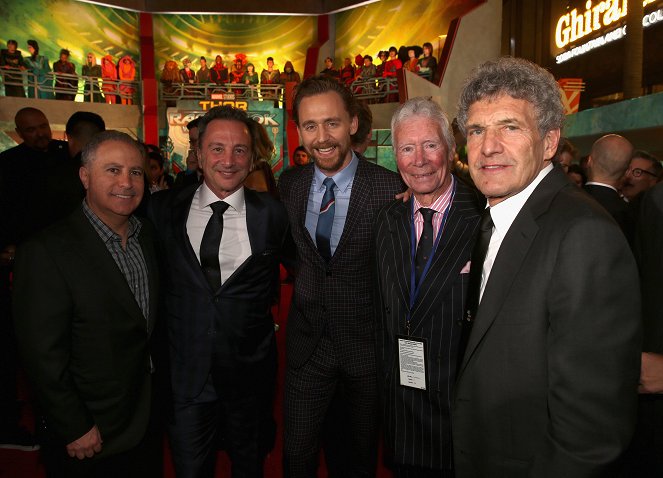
{"x": 337, "y": 294}
{"x": 229, "y": 331}
{"x": 416, "y": 422}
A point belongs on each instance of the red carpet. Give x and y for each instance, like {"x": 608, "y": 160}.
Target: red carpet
{"x": 26, "y": 464}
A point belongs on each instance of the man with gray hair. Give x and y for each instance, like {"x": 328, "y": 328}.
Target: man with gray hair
{"x": 422, "y": 250}
{"x": 85, "y": 303}
{"x": 606, "y": 165}
{"x": 547, "y": 385}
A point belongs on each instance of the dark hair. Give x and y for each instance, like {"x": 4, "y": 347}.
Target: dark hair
{"x": 35, "y": 45}
{"x": 565, "y": 146}
{"x": 364, "y": 124}
{"x": 12, "y": 42}
{"x": 368, "y": 57}
{"x": 90, "y": 149}
{"x": 269, "y": 58}
{"x": 330, "y": 59}
{"x": 155, "y": 156}
{"x": 300, "y": 148}
{"x": 223, "y": 113}
{"x": 203, "y": 58}
{"x": 428, "y": 45}
{"x": 64, "y": 51}
{"x": 317, "y": 85}
{"x": 656, "y": 164}
{"x": 193, "y": 123}
{"x": 575, "y": 168}
{"x": 393, "y": 48}
{"x": 82, "y": 121}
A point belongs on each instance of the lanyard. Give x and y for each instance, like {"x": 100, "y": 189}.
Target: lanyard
{"x": 414, "y": 288}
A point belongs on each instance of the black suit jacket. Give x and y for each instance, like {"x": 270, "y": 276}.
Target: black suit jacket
{"x": 547, "y": 385}
{"x": 229, "y": 331}
{"x": 336, "y": 295}
{"x": 83, "y": 337}
{"x": 616, "y": 207}
{"x": 417, "y": 422}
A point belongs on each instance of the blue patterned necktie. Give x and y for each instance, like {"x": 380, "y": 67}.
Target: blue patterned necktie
{"x": 326, "y": 220}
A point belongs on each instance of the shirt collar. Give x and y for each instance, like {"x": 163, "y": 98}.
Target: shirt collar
{"x": 235, "y": 200}
{"x": 440, "y": 204}
{"x": 596, "y": 183}
{"x": 342, "y": 179}
{"x": 504, "y": 213}
{"x": 105, "y": 232}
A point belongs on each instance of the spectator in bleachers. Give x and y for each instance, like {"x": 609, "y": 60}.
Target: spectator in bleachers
{"x": 368, "y": 70}
{"x": 250, "y": 75}
{"x": 93, "y": 72}
{"x": 219, "y": 72}
{"x": 127, "y": 75}
{"x": 109, "y": 75}
{"x": 11, "y": 62}
{"x": 382, "y": 56}
{"x": 187, "y": 76}
{"x": 329, "y": 70}
{"x": 270, "y": 75}
{"x": 289, "y": 74}
{"x": 428, "y": 63}
{"x": 300, "y": 157}
{"x": 203, "y": 75}
{"x": 412, "y": 63}
{"x": 37, "y": 65}
{"x": 68, "y": 86}
{"x": 347, "y": 73}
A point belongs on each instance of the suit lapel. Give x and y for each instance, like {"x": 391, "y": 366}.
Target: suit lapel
{"x": 447, "y": 260}
{"x": 361, "y": 189}
{"x": 510, "y": 257}
{"x": 401, "y": 245}
{"x": 179, "y": 216}
{"x": 146, "y": 241}
{"x": 95, "y": 254}
{"x": 302, "y": 190}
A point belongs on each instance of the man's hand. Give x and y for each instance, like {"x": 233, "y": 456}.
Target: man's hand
{"x": 87, "y": 445}
{"x": 405, "y": 195}
{"x": 651, "y": 373}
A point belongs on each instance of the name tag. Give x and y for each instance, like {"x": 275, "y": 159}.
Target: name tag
{"x": 412, "y": 362}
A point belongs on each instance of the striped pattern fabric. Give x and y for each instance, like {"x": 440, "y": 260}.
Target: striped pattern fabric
{"x": 417, "y": 422}
{"x": 131, "y": 261}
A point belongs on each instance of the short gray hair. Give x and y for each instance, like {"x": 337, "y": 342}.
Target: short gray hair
{"x": 90, "y": 150}
{"x": 424, "y": 108}
{"x": 520, "y": 79}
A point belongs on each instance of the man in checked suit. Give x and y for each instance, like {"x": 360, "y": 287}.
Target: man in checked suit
{"x": 85, "y": 304}
{"x": 331, "y": 204}
{"x": 547, "y": 386}
{"x": 420, "y": 299}
{"x": 223, "y": 244}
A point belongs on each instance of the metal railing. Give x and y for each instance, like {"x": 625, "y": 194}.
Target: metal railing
{"x": 90, "y": 89}
{"x": 377, "y": 90}
{"x": 205, "y": 91}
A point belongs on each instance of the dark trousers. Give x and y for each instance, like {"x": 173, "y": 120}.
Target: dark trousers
{"x": 308, "y": 393}
{"x": 239, "y": 415}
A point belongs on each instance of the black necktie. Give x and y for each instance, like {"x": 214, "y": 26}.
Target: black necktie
{"x": 326, "y": 220}
{"x": 209, "y": 247}
{"x": 476, "y": 266}
{"x": 425, "y": 246}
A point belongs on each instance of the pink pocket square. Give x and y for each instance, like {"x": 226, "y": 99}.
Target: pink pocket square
{"x": 466, "y": 268}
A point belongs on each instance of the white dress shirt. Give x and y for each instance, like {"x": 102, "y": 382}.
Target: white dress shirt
{"x": 503, "y": 215}
{"x": 235, "y": 245}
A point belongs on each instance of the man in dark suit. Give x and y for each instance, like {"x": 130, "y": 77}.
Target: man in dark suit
{"x": 331, "y": 204}
{"x": 85, "y": 303}
{"x": 606, "y": 165}
{"x": 422, "y": 250}
{"x": 547, "y": 385}
{"x": 223, "y": 244}
{"x": 644, "y": 458}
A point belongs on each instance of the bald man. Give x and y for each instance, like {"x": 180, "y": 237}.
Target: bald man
{"x": 607, "y": 163}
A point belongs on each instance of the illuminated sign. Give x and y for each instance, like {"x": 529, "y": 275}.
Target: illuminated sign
{"x": 574, "y": 25}
{"x": 615, "y": 34}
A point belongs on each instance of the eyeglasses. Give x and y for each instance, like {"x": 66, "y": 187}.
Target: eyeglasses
{"x": 637, "y": 172}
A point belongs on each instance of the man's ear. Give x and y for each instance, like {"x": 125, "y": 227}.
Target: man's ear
{"x": 550, "y": 142}
{"x": 84, "y": 174}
